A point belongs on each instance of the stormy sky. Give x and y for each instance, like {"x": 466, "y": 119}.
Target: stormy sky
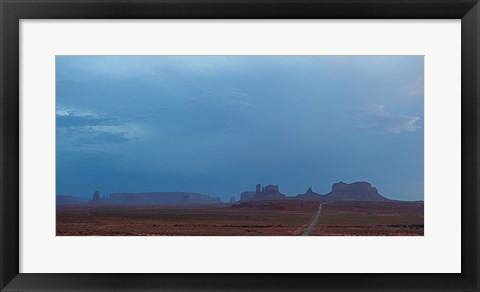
{"x": 218, "y": 125}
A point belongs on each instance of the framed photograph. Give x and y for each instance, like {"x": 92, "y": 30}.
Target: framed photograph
{"x": 237, "y": 145}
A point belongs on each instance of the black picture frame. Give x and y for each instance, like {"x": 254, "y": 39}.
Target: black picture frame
{"x": 11, "y": 11}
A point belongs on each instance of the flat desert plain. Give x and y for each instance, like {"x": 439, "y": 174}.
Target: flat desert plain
{"x": 370, "y": 218}
{"x": 260, "y": 218}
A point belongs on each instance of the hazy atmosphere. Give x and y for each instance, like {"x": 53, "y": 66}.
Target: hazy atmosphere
{"x": 218, "y": 125}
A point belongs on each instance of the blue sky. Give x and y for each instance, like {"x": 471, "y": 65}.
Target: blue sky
{"x": 218, "y": 125}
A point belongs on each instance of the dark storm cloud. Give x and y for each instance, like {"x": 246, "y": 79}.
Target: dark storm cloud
{"x": 71, "y": 120}
{"x": 89, "y": 136}
{"x": 376, "y": 118}
{"x": 235, "y": 121}
{"x": 87, "y": 128}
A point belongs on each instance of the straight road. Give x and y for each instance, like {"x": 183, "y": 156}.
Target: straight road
{"x": 314, "y": 221}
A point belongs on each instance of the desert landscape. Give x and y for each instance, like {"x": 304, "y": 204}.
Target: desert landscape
{"x": 239, "y": 145}
{"x": 349, "y": 210}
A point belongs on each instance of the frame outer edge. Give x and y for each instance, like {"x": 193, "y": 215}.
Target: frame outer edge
{"x": 477, "y": 219}
{"x": 3, "y": 265}
{"x": 477, "y": 195}
{"x": 9, "y": 152}
{"x": 471, "y": 144}
{"x": 9, "y": 143}
{"x": 2, "y": 217}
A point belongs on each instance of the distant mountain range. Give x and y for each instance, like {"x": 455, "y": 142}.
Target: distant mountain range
{"x": 357, "y": 191}
{"x": 166, "y": 198}
{"x": 270, "y": 192}
{"x": 154, "y": 198}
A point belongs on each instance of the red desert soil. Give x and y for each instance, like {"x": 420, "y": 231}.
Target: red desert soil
{"x": 281, "y": 218}
{"x": 370, "y": 219}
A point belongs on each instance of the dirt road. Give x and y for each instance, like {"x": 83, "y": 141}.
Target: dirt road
{"x": 314, "y": 221}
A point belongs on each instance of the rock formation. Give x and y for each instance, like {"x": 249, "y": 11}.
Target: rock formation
{"x": 96, "y": 199}
{"x": 309, "y": 195}
{"x": 269, "y": 192}
{"x": 66, "y": 200}
{"x": 162, "y": 198}
{"x": 245, "y": 196}
{"x": 357, "y": 191}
